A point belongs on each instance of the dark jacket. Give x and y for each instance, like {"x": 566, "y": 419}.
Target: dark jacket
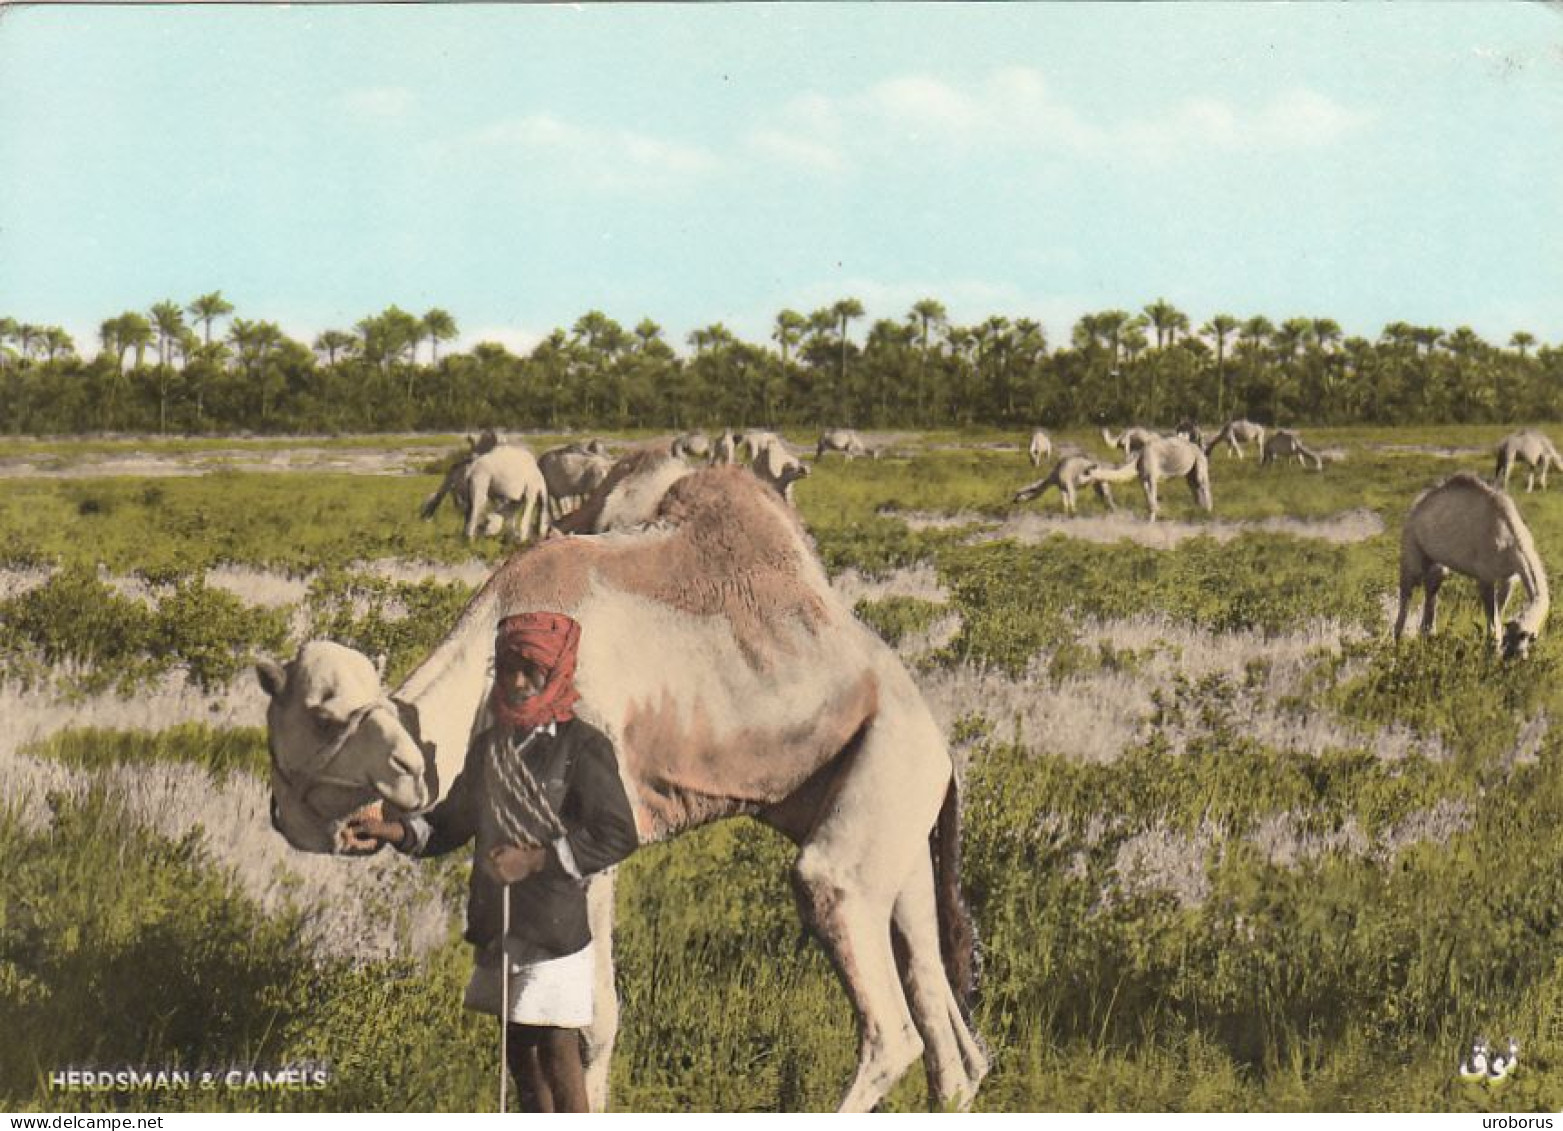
{"x": 579, "y": 773}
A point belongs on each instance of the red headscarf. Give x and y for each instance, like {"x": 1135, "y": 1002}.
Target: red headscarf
{"x": 548, "y": 641}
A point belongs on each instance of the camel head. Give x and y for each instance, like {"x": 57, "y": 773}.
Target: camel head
{"x": 1517, "y": 641}
{"x": 339, "y": 745}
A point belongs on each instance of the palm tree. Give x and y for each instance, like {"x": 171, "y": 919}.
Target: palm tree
{"x": 1522, "y": 340}
{"x": 168, "y": 321}
{"x": 207, "y": 309}
{"x": 844, "y": 311}
{"x": 925, "y": 314}
{"x": 438, "y": 326}
{"x": 255, "y": 343}
{"x": 1166, "y": 320}
{"x": 56, "y": 342}
{"x": 1219, "y": 329}
{"x": 788, "y": 332}
{"x": 333, "y": 342}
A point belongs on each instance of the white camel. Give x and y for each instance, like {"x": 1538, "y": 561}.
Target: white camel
{"x": 1130, "y": 440}
{"x": 1531, "y": 448}
{"x": 506, "y": 477}
{"x": 1163, "y": 458}
{"x": 774, "y": 465}
{"x": 845, "y": 441}
{"x": 753, "y": 439}
{"x": 1236, "y": 433}
{"x": 629, "y": 494}
{"x": 571, "y": 473}
{"x": 732, "y": 681}
{"x": 1466, "y": 525}
{"x": 1286, "y": 443}
{"x": 1041, "y": 447}
{"x": 695, "y": 444}
{"x": 1068, "y": 476}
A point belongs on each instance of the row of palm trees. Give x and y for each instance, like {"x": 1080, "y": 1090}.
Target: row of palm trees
{"x": 922, "y": 369}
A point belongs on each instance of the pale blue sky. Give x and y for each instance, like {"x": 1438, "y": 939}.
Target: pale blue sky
{"x": 520, "y": 165}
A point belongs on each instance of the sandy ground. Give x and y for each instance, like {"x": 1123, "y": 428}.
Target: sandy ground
{"x": 1164, "y": 534}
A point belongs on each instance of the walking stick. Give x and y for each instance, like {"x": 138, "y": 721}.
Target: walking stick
{"x": 504, "y": 993}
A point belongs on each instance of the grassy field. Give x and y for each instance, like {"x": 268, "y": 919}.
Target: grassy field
{"x": 1227, "y": 848}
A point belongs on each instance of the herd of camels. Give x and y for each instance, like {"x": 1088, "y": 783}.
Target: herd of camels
{"x": 1463, "y": 525}
{"x": 768, "y": 697}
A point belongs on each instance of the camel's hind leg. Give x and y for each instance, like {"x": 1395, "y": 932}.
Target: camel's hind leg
{"x": 477, "y": 504}
{"x": 954, "y": 1061}
{"x": 597, "y": 1038}
{"x": 852, "y": 868}
{"x": 1431, "y": 580}
{"x": 1148, "y": 485}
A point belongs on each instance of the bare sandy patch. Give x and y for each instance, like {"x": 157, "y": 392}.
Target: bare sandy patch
{"x": 920, "y": 582}
{"x": 1166, "y": 534}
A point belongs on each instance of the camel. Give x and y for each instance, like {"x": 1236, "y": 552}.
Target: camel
{"x": 726, "y": 451}
{"x": 1285, "y": 442}
{"x": 1466, "y": 525}
{"x": 845, "y": 441}
{"x": 506, "y": 476}
{"x": 1236, "y": 433}
{"x": 1041, "y": 447}
{"x": 760, "y": 695}
{"x": 696, "y": 444}
{"x": 1162, "y": 458}
{"x": 777, "y": 467}
{"x": 571, "y": 473}
{"x": 629, "y": 494}
{"x": 1190, "y": 430}
{"x": 1531, "y": 448}
{"x": 1130, "y": 440}
{"x": 1067, "y": 476}
{"x": 752, "y": 440}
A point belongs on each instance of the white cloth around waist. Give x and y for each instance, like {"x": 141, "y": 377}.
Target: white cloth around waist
{"x": 556, "y": 992}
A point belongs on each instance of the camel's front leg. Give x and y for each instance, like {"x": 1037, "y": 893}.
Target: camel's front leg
{"x": 1489, "y": 594}
{"x": 1148, "y": 485}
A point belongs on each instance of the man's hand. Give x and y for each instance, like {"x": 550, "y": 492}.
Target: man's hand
{"x": 367, "y": 834}
{"x": 512, "y": 863}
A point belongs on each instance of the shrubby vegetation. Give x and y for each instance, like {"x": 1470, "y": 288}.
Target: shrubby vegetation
{"x": 166, "y": 371}
{"x": 1204, "y": 922}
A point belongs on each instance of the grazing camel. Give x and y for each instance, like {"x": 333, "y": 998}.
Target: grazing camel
{"x": 1466, "y": 525}
{"x": 1236, "y": 433}
{"x": 732, "y": 681}
{"x": 1531, "y": 448}
{"x": 571, "y": 473}
{"x": 696, "y": 444}
{"x": 629, "y": 494}
{"x": 1162, "y": 458}
{"x": 845, "y": 441}
{"x": 1068, "y": 475}
{"x": 507, "y": 477}
{"x": 1130, "y": 440}
{"x": 778, "y": 468}
{"x": 1286, "y": 442}
{"x": 1041, "y": 447}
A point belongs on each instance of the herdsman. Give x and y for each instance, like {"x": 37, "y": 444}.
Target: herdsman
{"x": 541, "y": 794}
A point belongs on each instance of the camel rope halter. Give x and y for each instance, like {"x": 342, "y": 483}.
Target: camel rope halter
{"x": 522, "y": 813}
{"x": 316, "y": 773}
